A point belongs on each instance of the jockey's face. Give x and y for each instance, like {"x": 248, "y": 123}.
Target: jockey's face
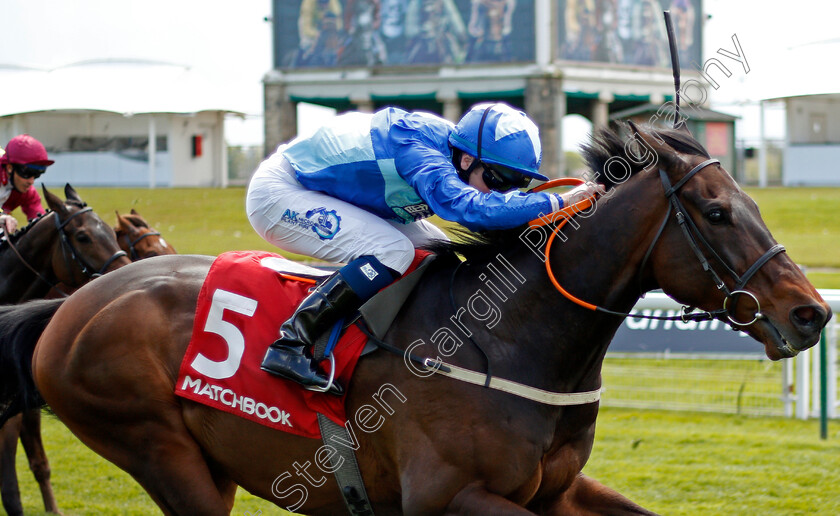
{"x": 475, "y": 179}
{"x": 19, "y": 183}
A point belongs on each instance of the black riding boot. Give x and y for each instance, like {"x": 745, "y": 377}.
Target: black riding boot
{"x": 290, "y": 356}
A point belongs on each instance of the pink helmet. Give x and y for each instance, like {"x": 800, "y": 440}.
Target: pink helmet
{"x": 26, "y": 150}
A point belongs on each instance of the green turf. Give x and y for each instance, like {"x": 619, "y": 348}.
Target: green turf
{"x": 672, "y": 463}
{"x": 690, "y": 464}
{"x": 86, "y": 484}
{"x": 805, "y": 220}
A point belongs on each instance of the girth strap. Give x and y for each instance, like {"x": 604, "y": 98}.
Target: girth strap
{"x": 558, "y": 399}
{"x": 347, "y": 473}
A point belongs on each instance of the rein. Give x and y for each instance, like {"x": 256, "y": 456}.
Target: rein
{"x": 692, "y": 235}
{"x": 33, "y": 270}
{"x": 65, "y": 245}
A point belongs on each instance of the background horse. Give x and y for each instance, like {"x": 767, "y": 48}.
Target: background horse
{"x": 33, "y": 261}
{"x": 139, "y": 240}
{"x": 444, "y": 447}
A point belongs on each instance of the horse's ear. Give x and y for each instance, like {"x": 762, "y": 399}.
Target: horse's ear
{"x": 648, "y": 138}
{"x": 54, "y": 203}
{"x": 683, "y": 128}
{"x": 134, "y": 212}
{"x": 71, "y": 194}
{"x": 124, "y": 224}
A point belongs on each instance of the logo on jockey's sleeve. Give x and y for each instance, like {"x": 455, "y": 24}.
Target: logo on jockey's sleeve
{"x": 325, "y": 223}
{"x": 418, "y": 211}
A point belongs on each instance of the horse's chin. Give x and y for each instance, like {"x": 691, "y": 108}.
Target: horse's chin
{"x": 776, "y": 345}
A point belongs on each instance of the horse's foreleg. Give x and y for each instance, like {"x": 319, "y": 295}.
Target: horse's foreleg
{"x": 30, "y": 437}
{"x": 8, "y": 481}
{"x": 588, "y": 497}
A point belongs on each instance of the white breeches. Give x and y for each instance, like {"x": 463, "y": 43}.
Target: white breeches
{"x": 311, "y": 223}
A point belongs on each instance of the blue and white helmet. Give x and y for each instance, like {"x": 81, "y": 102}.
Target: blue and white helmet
{"x": 506, "y": 135}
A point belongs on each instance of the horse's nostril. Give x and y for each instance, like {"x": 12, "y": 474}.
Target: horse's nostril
{"x": 809, "y": 317}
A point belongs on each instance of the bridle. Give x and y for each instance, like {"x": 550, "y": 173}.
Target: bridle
{"x": 131, "y": 243}
{"x": 66, "y": 246}
{"x": 693, "y": 236}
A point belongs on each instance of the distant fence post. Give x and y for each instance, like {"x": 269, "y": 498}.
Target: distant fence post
{"x": 817, "y": 378}
{"x": 823, "y": 391}
{"x": 802, "y": 389}
{"x": 787, "y": 387}
{"x": 831, "y": 365}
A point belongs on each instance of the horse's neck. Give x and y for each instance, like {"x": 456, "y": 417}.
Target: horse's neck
{"x": 599, "y": 262}
{"x": 18, "y": 283}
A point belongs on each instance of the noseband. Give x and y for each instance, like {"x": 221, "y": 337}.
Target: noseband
{"x": 66, "y": 245}
{"x": 132, "y": 250}
{"x": 693, "y": 236}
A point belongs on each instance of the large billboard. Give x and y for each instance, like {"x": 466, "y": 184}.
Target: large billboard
{"x": 630, "y": 32}
{"x": 336, "y": 33}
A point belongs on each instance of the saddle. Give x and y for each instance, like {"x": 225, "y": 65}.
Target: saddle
{"x": 245, "y": 298}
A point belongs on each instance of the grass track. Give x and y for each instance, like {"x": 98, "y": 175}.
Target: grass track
{"x": 673, "y": 463}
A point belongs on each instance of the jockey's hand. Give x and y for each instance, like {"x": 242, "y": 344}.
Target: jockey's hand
{"x": 8, "y": 223}
{"x": 579, "y": 193}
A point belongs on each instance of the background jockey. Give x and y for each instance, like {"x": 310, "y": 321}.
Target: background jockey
{"x": 357, "y": 189}
{"x": 24, "y": 162}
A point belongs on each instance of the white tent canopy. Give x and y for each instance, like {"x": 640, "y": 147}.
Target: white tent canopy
{"x": 106, "y": 103}
{"x": 125, "y": 87}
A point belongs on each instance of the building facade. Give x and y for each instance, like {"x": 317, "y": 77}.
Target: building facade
{"x": 119, "y": 123}
{"x": 550, "y": 58}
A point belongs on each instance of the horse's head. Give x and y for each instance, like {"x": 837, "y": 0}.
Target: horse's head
{"x": 87, "y": 247}
{"x": 715, "y": 251}
{"x": 138, "y": 239}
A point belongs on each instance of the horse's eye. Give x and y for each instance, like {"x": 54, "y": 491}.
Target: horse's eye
{"x": 716, "y": 216}
{"x": 83, "y": 238}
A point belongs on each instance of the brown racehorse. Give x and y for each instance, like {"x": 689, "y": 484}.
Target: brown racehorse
{"x": 139, "y": 240}
{"x": 108, "y": 356}
{"x": 34, "y": 260}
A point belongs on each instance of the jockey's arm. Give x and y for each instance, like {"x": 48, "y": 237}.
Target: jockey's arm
{"x": 436, "y": 181}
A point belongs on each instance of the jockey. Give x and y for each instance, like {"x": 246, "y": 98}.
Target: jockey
{"x": 24, "y": 162}
{"x": 357, "y": 191}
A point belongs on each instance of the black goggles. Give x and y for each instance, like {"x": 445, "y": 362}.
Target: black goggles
{"x": 501, "y": 179}
{"x": 29, "y": 171}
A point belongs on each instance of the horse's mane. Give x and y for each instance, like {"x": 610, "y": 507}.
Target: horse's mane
{"x": 14, "y": 237}
{"x": 604, "y": 143}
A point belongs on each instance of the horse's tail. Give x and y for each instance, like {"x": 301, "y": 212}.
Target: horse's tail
{"x": 20, "y": 327}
